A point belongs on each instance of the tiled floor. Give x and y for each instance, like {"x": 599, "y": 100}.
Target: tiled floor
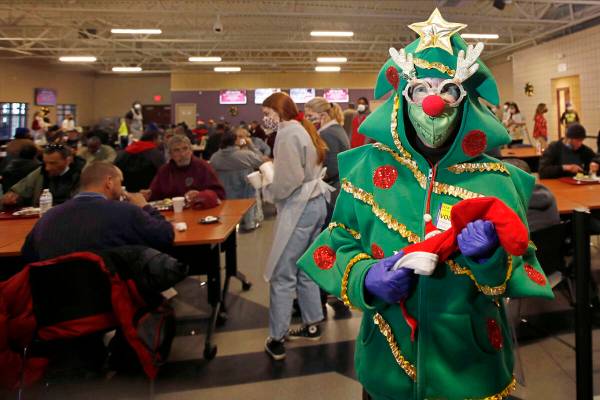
{"x": 314, "y": 370}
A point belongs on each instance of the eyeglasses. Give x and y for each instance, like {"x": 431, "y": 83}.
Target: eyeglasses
{"x": 55, "y": 146}
{"x": 450, "y": 91}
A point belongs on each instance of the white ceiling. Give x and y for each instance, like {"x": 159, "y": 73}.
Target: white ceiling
{"x": 265, "y": 35}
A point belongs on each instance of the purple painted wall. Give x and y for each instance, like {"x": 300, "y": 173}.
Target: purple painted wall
{"x": 208, "y": 104}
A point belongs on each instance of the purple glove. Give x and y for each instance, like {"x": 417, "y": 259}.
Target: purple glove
{"x": 478, "y": 240}
{"x": 389, "y": 286}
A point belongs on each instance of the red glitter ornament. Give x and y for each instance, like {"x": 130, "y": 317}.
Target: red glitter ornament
{"x": 392, "y": 77}
{"x": 535, "y": 276}
{"x": 377, "y": 251}
{"x": 474, "y": 143}
{"x": 324, "y": 257}
{"x": 384, "y": 177}
{"x": 433, "y": 105}
{"x": 494, "y": 334}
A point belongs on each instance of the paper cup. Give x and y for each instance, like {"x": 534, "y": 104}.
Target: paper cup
{"x": 267, "y": 172}
{"x": 178, "y": 203}
{"x": 255, "y": 179}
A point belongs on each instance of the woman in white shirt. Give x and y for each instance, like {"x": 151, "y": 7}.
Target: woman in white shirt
{"x": 301, "y": 198}
{"x": 68, "y": 124}
{"x": 516, "y": 125}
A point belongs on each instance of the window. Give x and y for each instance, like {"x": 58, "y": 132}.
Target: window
{"x": 64, "y": 109}
{"x": 12, "y": 116}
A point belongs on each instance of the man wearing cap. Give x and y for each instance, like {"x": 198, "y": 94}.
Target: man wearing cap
{"x": 433, "y": 323}
{"x": 569, "y": 156}
{"x": 570, "y": 116}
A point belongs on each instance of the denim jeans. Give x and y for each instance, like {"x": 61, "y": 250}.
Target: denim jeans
{"x": 289, "y": 282}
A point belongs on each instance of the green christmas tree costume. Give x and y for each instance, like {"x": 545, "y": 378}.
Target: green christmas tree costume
{"x": 463, "y": 346}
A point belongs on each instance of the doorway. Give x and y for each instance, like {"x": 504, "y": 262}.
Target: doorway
{"x": 186, "y": 112}
{"x": 566, "y": 90}
{"x": 160, "y": 115}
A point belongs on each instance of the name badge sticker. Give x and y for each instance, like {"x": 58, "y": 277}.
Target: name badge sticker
{"x": 443, "y": 218}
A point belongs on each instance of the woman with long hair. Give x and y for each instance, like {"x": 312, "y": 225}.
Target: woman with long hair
{"x": 327, "y": 118}
{"x": 301, "y": 197}
{"x": 516, "y": 125}
{"x": 540, "y": 126}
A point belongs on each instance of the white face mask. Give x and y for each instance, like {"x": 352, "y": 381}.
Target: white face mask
{"x": 137, "y": 106}
{"x": 361, "y": 108}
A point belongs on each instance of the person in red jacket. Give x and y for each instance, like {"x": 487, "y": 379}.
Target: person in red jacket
{"x": 188, "y": 176}
{"x": 358, "y": 139}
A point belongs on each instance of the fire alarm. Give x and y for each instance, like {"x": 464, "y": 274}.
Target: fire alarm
{"x": 157, "y": 98}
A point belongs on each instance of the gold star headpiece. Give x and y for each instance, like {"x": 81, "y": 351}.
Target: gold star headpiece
{"x": 436, "y": 32}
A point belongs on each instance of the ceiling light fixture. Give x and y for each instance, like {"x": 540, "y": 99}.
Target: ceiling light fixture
{"x": 136, "y": 31}
{"x": 332, "y": 59}
{"x": 126, "y": 69}
{"x": 332, "y": 33}
{"x": 480, "y": 35}
{"x": 77, "y": 59}
{"x": 204, "y": 59}
{"x": 329, "y": 68}
{"x": 227, "y": 69}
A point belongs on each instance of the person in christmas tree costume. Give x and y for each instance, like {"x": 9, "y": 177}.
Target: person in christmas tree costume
{"x": 433, "y": 323}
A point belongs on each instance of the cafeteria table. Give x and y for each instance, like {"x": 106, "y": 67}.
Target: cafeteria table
{"x": 572, "y": 196}
{"x": 218, "y": 237}
{"x": 573, "y": 201}
{"x": 528, "y": 154}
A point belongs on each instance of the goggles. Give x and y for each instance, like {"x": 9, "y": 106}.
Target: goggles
{"x": 451, "y": 92}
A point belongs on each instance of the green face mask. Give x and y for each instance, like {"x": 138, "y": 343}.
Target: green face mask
{"x": 433, "y": 131}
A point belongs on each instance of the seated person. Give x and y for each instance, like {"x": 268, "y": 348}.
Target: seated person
{"x": 20, "y": 165}
{"x": 542, "y": 211}
{"x": 233, "y": 162}
{"x": 95, "y": 220}
{"x": 22, "y": 138}
{"x": 96, "y": 151}
{"x": 60, "y": 173}
{"x": 256, "y": 144}
{"x": 140, "y": 161}
{"x": 186, "y": 175}
{"x": 214, "y": 141}
{"x": 54, "y": 134}
{"x": 569, "y": 156}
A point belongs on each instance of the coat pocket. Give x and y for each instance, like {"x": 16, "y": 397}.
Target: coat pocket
{"x": 461, "y": 365}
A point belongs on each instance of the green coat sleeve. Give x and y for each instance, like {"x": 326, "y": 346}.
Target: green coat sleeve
{"x": 29, "y": 188}
{"x": 512, "y": 276}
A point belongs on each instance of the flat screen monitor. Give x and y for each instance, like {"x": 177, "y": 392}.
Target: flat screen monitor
{"x": 45, "y": 97}
{"x": 232, "y": 97}
{"x": 261, "y": 94}
{"x": 302, "y": 95}
{"x": 336, "y": 95}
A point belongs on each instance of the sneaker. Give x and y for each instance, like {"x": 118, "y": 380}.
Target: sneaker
{"x": 310, "y": 332}
{"x": 275, "y": 348}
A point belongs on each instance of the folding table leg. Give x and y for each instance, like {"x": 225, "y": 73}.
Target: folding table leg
{"x": 230, "y": 248}
{"x": 214, "y": 299}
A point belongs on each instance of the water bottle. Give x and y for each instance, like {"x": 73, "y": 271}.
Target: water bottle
{"x": 45, "y": 201}
{"x": 538, "y": 147}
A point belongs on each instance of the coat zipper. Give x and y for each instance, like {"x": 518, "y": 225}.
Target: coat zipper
{"x": 421, "y": 384}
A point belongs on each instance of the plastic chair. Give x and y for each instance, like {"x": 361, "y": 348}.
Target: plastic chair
{"x": 552, "y": 245}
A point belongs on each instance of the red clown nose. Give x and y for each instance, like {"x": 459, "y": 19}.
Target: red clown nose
{"x": 433, "y": 105}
